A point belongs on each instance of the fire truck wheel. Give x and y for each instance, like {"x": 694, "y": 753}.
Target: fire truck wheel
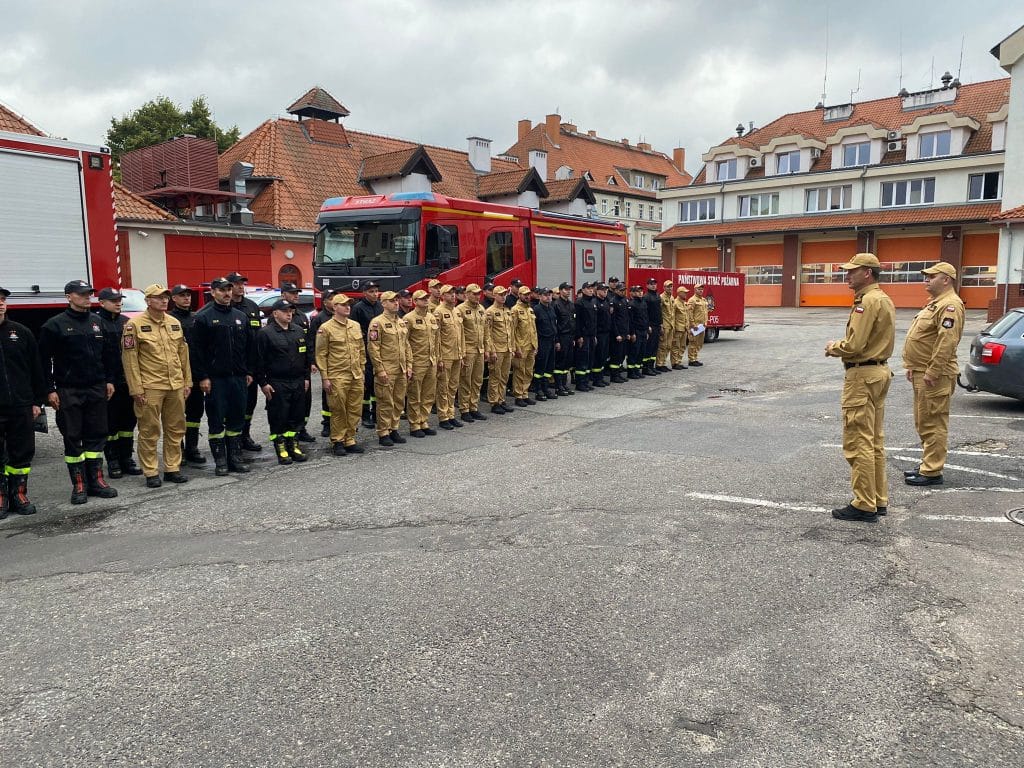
{"x": 711, "y": 335}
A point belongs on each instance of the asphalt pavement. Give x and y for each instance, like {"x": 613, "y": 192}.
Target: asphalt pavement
{"x": 646, "y": 575}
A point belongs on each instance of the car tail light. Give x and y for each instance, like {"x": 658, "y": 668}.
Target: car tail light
{"x": 992, "y": 352}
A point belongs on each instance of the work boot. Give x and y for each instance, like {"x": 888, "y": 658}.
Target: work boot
{"x": 385, "y": 441}
{"x": 295, "y": 450}
{"x": 77, "y": 472}
{"x": 175, "y": 477}
{"x": 17, "y": 495}
{"x": 539, "y": 396}
{"x": 325, "y": 426}
{"x": 338, "y": 449}
{"x": 304, "y": 437}
{"x": 396, "y": 438}
{"x": 246, "y": 443}
{"x": 4, "y": 504}
{"x": 367, "y": 417}
{"x": 96, "y": 484}
{"x": 190, "y": 452}
{"x": 125, "y": 447}
{"x": 112, "y": 453}
{"x": 220, "y": 456}
{"x": 283, "y": 457}
{"x": 235, "y": 461}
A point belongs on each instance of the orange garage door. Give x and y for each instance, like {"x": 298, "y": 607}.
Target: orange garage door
{"x": 822, "y": 283}
{"x": 705, "y": 257}
{"x": 762, "y": 264}
{"x": 978, "y": 278}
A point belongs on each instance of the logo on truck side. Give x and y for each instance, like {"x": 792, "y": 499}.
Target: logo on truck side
{"x": 589, "y": 263}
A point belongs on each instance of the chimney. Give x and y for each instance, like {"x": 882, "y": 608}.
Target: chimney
{"x": 644, "y": 146}
{"x": 240, "y": 213}
{"x": 551, "y": 123}
{"x": 538, "y": 159}
{"x": 525, "y": 126}
{"x": 570, "y": 127}
{"x": 625, "y": 142}
{"x": 592, "y": 134}
{"x": 679, "y": 159}
{"x": 480, "y": 154}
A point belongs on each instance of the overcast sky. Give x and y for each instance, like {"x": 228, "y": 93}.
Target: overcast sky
{"x": 437, "y": 71}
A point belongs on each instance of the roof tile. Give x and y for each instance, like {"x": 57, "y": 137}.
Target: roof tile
{"x": 12, "y": 122}
{"x": 129, "y": 206}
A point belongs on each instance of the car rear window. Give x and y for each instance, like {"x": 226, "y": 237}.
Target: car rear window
{"x": 1006, "y": 325}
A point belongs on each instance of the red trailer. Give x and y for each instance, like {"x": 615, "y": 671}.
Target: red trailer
{"x": 723, "y": 290}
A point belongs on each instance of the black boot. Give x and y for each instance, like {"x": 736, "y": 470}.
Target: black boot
{"x": 283, "y": 457}
{"x": 17, "y": 494}
{"x": 235, "y": 462}
{"x": 125, "y": 446}
{"x": 113, "y": 455}
{"x": 295, "y": 450}
{"x": 4, "y": 503}
{"x": 96, "y": 484}
{"x": 367, "y": 417}
{"x": 77, "y": 473}
{"x": 246, "y": 442}
{"x": 191, "y": 452}
{"x": 304, "y": 437}
{"x": 325, "y": 426}
{"x": 219, "y": 452}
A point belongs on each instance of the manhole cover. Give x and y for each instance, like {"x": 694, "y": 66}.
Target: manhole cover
{"x": 1016, "y": 516}
{"x": 988, "y": 446}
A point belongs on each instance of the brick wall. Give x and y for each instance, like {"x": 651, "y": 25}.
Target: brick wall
{"x": 1013, "y": 295}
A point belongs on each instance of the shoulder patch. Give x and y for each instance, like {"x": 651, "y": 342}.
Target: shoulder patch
{"x": 373, "y": 334}
{"x": 951, "y": 308}
{"x": 145, "y": 328}
{"x": 947, "y": 322}
{"x": 128, "y": 341}
{"x": 859, "y": 310}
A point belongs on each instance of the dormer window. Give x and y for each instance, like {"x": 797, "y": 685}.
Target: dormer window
{"x": 935, "y": 144}
{"x": 787, "y": 162}
{"x": 638, "y": 181}
{"x": 856, "y": 154}
{"x": 726, "y": 170}
{"x": 612, "y": 182}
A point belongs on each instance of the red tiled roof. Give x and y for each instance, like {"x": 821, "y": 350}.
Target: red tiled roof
{"x": 511, "y": 183}
{"x": 1013, "y": 214}
{"x": 819, "y": 222}
{"x": 318, "y": 103}
{"x": 400, "y": 163}
{"x": 567, "y": 190}
{"x": 974, "y": 100}
{"x": 130, "y": 206}
{"x": 12, "y": 122}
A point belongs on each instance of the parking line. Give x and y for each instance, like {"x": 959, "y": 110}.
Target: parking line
{"x": 966, "y": 469}
{"x": 951, "y": 452}
{"x": 754, "y": 502}
{"x": 983, "y": 416}
{"x": 966, "y": 518}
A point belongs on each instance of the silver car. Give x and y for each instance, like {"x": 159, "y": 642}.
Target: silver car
{"x": 997, "y": 357}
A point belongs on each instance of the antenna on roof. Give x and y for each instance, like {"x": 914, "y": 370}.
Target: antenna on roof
{"x": 857, "y": 89}
{"x": 960, "y": 66}
{"x": 901, "y": 57}
{"x": 824, "y": 83}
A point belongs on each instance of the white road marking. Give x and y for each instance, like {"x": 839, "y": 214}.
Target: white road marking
{"x": 965, "y": 518}
{"x": 957, "y": 453}
{"x": 966, "y": 469}
{"x": 982, "y": 416}
{"x": 754, "y": 502}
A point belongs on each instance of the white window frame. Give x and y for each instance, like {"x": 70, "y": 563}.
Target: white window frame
{"x": 859, "y": 147}
{"x": 748, "y": 201}
{"x": 837, "y": 198}
{"x": 604, "y": 206}
{"x": 787, "y": 159}
{"x": 934, "y": 138}
{"x": 640, "y": 211}
{"x": 615, "y": 208}
{"x": 702, "y": 209}
{"x": 999, "y": 186}
{"x": 923, "y": 188}
{"x": 638, "y": 181}
{"x": 655, "y": 184}
{"x": 643, "y": 239}
{"x": 732, "y": 168}
{"x": 629, "y": 209}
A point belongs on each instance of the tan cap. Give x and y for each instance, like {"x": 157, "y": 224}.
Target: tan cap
{"x": 388, "y": 296}
{"x": 682, "y": 289}
{"x": 942, "y": 268}
{"x": 862, "y": 260}
{"x": 473, "y": 288}
{"x": 667, "y": 284}
{"x": 341, "y": 299}
{"x": 524, "y": 291}
{"x": 433, "y": 283}
{"x": 447, "y": 288}
{"x": 157, "y": 290}
{"x": 499, "y": 290}
{"x": 420, "y": 294}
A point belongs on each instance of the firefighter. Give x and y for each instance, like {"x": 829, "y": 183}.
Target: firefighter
{"x": 387, "y": 346}
{"x": 22, "y": 393}
{"x": 565, "y": 342}
{"x": 450, "y": 343}
{"x": 341, "y": 362}
{"x": 547, "y": 333}
{"x": 434, "y": 289}
{"x": 290, "y": 292}
{"x": 604, "y": 326}
{"x": 586, "y": 336}
{"x": 638, "y": 328}
{"x": 181, "y": 298}
{"x": 326, "y": 313}
{"x": 668, "y": 329}
{"x": 159, "y": 374}
{"x": 524, "y": 348}
{"x": 512, "y": 295}
{"x": 120, "y": 409}
{"x": 498, "y": 349}
{"x": 251, "y": 310}
{"x": 654, "y": 327}
{"x": 424, "y": 344}
{"x": 363, "y": 311}
{"x": 405, "y": 302}
{"x": 698, "y": 307}
{"x": 282, "y": 372}
{"x": 224, "y": 359}
{"x": 681, "y": 329}
{"x": 471, "y": 317}
{"x": 79, "y": 370}
{"x": 618, "y": 339}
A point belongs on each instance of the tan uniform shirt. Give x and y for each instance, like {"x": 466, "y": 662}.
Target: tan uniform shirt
{"x": 449, "y": 331}
{"x": 340, "y": 349}
{"x": 934, "y": 335}
{"x": 871, "y": 329}
{"x": 668, "y": 311}
{"x": 154, "y": 354}
{"x": 524, "y": 328}
{"x": 472, "y": 319}
{"x": 433, "y": 304}
{"x": 698, "y": 307}
{"x": 387, "y": 344}
{"x": 424, "y": 340}
{"x": 497, "y": 329}
{"x": 682, "y": 315}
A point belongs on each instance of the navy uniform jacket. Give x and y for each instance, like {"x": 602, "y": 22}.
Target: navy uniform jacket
{"x": 586, "y": 317}
{"x": 638, "y": 321}
{"x": 73, "y": 351}
{"x": 21, "y": 377}
{"x": 113, "y": 326}
{"x": 653, "y": 300}
{"x": 222, "y": 344}
{"x": 547, "y": 323}
{"x": 281, "y": 353}
{"x": 620, "y": 315}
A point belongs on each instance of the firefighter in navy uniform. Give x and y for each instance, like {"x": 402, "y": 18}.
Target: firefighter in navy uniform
{"x": 181, "y": 310}
{"x": 604, "y": 327}
{"x": 282, "y": 371}
{"x": 326, "y": 313}
{"x": 363, "y": 311}
{"x": 22, "y": 393}
{"x": 565, "y": 340}
{"x": 638, "y": 328}
{"x": 653, "y": 300}
{"x": 547, "y": 334}
{"x": 618, "y": 338}
{"x": 79, "y": 372}
{"x": 251, "y": 310}
{"x": 223, "y": 360}
{"x": 290, "y": 292}
{"x": 586, "y": 336}
{"x": 121, "y": 419}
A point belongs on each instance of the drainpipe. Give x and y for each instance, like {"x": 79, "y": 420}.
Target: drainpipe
{"x": 721, "y": 211}
{"x": 1009, "y": 256}
{"x": 863, "y": 187}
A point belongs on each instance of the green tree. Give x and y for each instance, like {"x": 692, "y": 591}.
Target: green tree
{"x": 161, "y": 119}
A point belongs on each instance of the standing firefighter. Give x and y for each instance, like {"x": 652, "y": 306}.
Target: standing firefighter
{"x": 282, "y": 372}
{"x": 618, "y": 338}
{"x": 363, "y": 311}
{"x": 341, "y": 361}
{"x": 449, "y": 331}
{"x": 159, "y": 374}
{"x": 290, "y": 292}
{"x": 547, "y": 332}
{"x": 181, "y": 298}
{"x": 251, "y": 310}
{"x": 326, "y": 313}
{"x": 387, "y": 344}
{"x": 565, "y": 341}
{"x": 424, "y": 343}
{"x": 120, "y": 409}
{"x": 698, "y": 307}
{"x": 668, "y": 328}
{"x": 22, "y": 393}
{"x": 471, "y": 316}
{"x": 498, "y": 346}
{"x": 638, "y": 328}
{"x": 681, "y": 329}
{"x": 524, "y": 348}
{"x": 79, "y": 370}
{"x": 654, "y": 327}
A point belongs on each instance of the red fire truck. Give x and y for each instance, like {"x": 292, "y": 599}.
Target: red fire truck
{"x": 723, "y": 290}
{"x": 56, "y": 222}
{"x": 404, "y": 239}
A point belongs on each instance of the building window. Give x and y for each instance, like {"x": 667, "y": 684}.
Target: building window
{"x": 829, "y": 198}
{"x": 726, "y": 170}
{"x": 935, "y": 144}
{"x": 650, "y": 212}
{"x": 638, "y": 181}
{"x": 984, "y": 186}
{"x": 763, "y": 274}
{"x": 697, "y": 210}
{"x": 640, "y": 210}
{"x": 604, "y": 205}
{"x": 655, "y": 184}
{"x": 980, "y": 277}
{"x": 643, "y": 239}
{"x": 822, "y": 274}
{"x": 442, "y": 246}
{"x": 629, "y": 209}
{"x": 758, "y": 205}
{"x": 911, "y": 192}
{"x": 659, "y": 213}
{"x": 615, "y": 208}
{"x": 856, "y": 154}
{"x": 787, "y": 162}
{"x": 903, "y": 271}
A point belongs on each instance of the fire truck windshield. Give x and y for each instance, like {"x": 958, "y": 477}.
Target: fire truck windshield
{"x": 367, "y": 244}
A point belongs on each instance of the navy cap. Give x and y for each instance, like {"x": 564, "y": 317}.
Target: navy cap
{"x": 109, "y": 294}
{"x": 370, "y": 285}
{"x": 652, "y": 281}
{"x": 237, "y": 277}
{"x": 289, "y": 287}
{"x": 404, "y": 293}
{"x": 601, "y": 287}
{"x": 613, "y": 279}
{"x": 516, "y": 281}
{"x": 488, "y": 286}
{"x": 220, "y": 282}
{"x": 179, "y": 289}
{"x": 5, "y": 292}
{"x": 282, "y": 304}
{"x": 562, "y": 286}
{"x": 78, "y": 286}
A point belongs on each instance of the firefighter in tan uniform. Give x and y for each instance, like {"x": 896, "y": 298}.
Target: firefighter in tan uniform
{"x": 471, "y": 315}
{"x": 524, "y": 348}
{"x": 668, "y": 329}
{"x": 870, "y": 337}
{"x": 498, "y": 349}
{"x": 387, "y": 345}
{"x": 434, "y": 289}
{"x": 681, "y": 328}
{"x": 159, "y": 376}
{"x": 698, "y": 307}
{"x": 449, "y": 366}
{"x": 929, "y": 355}
{"x": 424, "y": 342}
{"x": 341, "y": 361}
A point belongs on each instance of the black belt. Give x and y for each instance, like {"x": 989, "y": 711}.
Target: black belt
{"x": 866, "y": 362}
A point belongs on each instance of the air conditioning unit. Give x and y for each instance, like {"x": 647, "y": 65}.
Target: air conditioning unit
{"x": 893, "y": 146}
{"x": 755, "y": 162}
{"x": 815, "y": 153}
{"x": 893, "y": 136}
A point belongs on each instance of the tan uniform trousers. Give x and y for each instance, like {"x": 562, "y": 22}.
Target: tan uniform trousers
{"x": 679, "y": 346}
{"x": 390, "y": 400}
{"x": 447, "y": 388}
{"x": 470, "y": 381}
{"x": 421, "y": 394}
{"x": 863, "y": 404}
{"x": 694, "y": 344}
{"x": 346, "y": 403}
{"x": 497, "y": 378}
{"x": 522, "y": 374}
{"x": 164, "y": 408}
{"x": 931, "y": 419}
{"x": 665, "y": 342}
